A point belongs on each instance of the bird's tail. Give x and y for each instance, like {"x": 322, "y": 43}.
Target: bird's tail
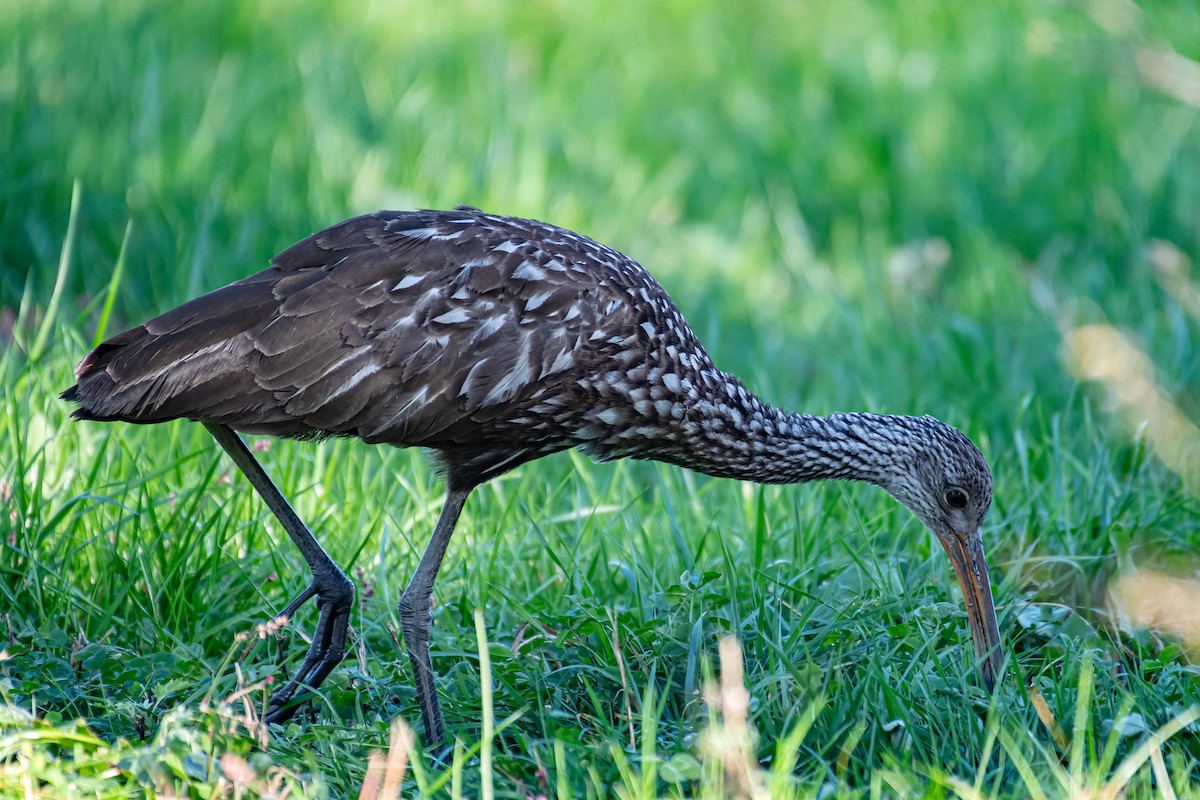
{"x": 189, "y": 362}
{"x": 95, "y": 389}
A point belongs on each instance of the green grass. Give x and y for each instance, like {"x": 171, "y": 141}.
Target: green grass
{"x": 897, "y": 207}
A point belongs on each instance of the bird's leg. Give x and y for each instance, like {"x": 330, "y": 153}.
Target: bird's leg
{"x": 416, "y": 615}
{"x": 333, "y": 590}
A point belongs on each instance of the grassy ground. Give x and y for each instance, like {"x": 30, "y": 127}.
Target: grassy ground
{"x": 985, "y": 213}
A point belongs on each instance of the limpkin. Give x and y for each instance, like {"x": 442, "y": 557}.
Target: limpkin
{"x": 492, "y": 341}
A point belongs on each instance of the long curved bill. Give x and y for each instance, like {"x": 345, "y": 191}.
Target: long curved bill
{"x": 966, "y": 555}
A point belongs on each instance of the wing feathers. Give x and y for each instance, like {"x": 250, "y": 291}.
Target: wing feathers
{"x": 397, "y": 326}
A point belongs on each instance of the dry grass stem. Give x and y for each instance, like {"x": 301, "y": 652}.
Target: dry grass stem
{"x": 385, "y": 774}
{"x": 1160, "y": 602}
{"x": 1102, "y": 354}
{"x": 731, "y": 740}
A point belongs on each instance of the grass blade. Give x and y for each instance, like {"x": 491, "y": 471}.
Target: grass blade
{"x": 60, "y": 281}
{"x": 113, "y": 284}
{"x": 487, "y": 789}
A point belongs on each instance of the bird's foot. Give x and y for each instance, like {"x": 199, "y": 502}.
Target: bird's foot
{"x": 335, "y": 599}
{"x": 415, "y": 622}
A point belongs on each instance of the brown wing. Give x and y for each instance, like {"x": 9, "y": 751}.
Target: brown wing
{"x": 404, "y": 327}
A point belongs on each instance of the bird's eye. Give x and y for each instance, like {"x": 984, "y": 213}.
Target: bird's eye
{"x": 956, "y": 498}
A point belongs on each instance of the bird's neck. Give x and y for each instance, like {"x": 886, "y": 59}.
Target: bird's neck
{"x": 739, "y": 436}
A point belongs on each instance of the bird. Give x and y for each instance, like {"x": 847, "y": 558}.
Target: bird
{"x": 491, "y": 341}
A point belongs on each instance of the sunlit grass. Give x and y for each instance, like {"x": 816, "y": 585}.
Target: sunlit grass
{"x": 911, "y": 208}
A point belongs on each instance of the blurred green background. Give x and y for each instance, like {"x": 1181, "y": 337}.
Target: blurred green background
{"x": 905, "y": 207}
{"x": 1027, "y": 125}
{"x": 734, "y": 148}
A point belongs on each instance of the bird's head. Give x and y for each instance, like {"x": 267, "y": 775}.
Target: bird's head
{"x": 947, "y": 484}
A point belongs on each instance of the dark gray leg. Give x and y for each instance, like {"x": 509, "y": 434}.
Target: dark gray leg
{"x": 333, "y": 590}
{"x": 416, "y": 616}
